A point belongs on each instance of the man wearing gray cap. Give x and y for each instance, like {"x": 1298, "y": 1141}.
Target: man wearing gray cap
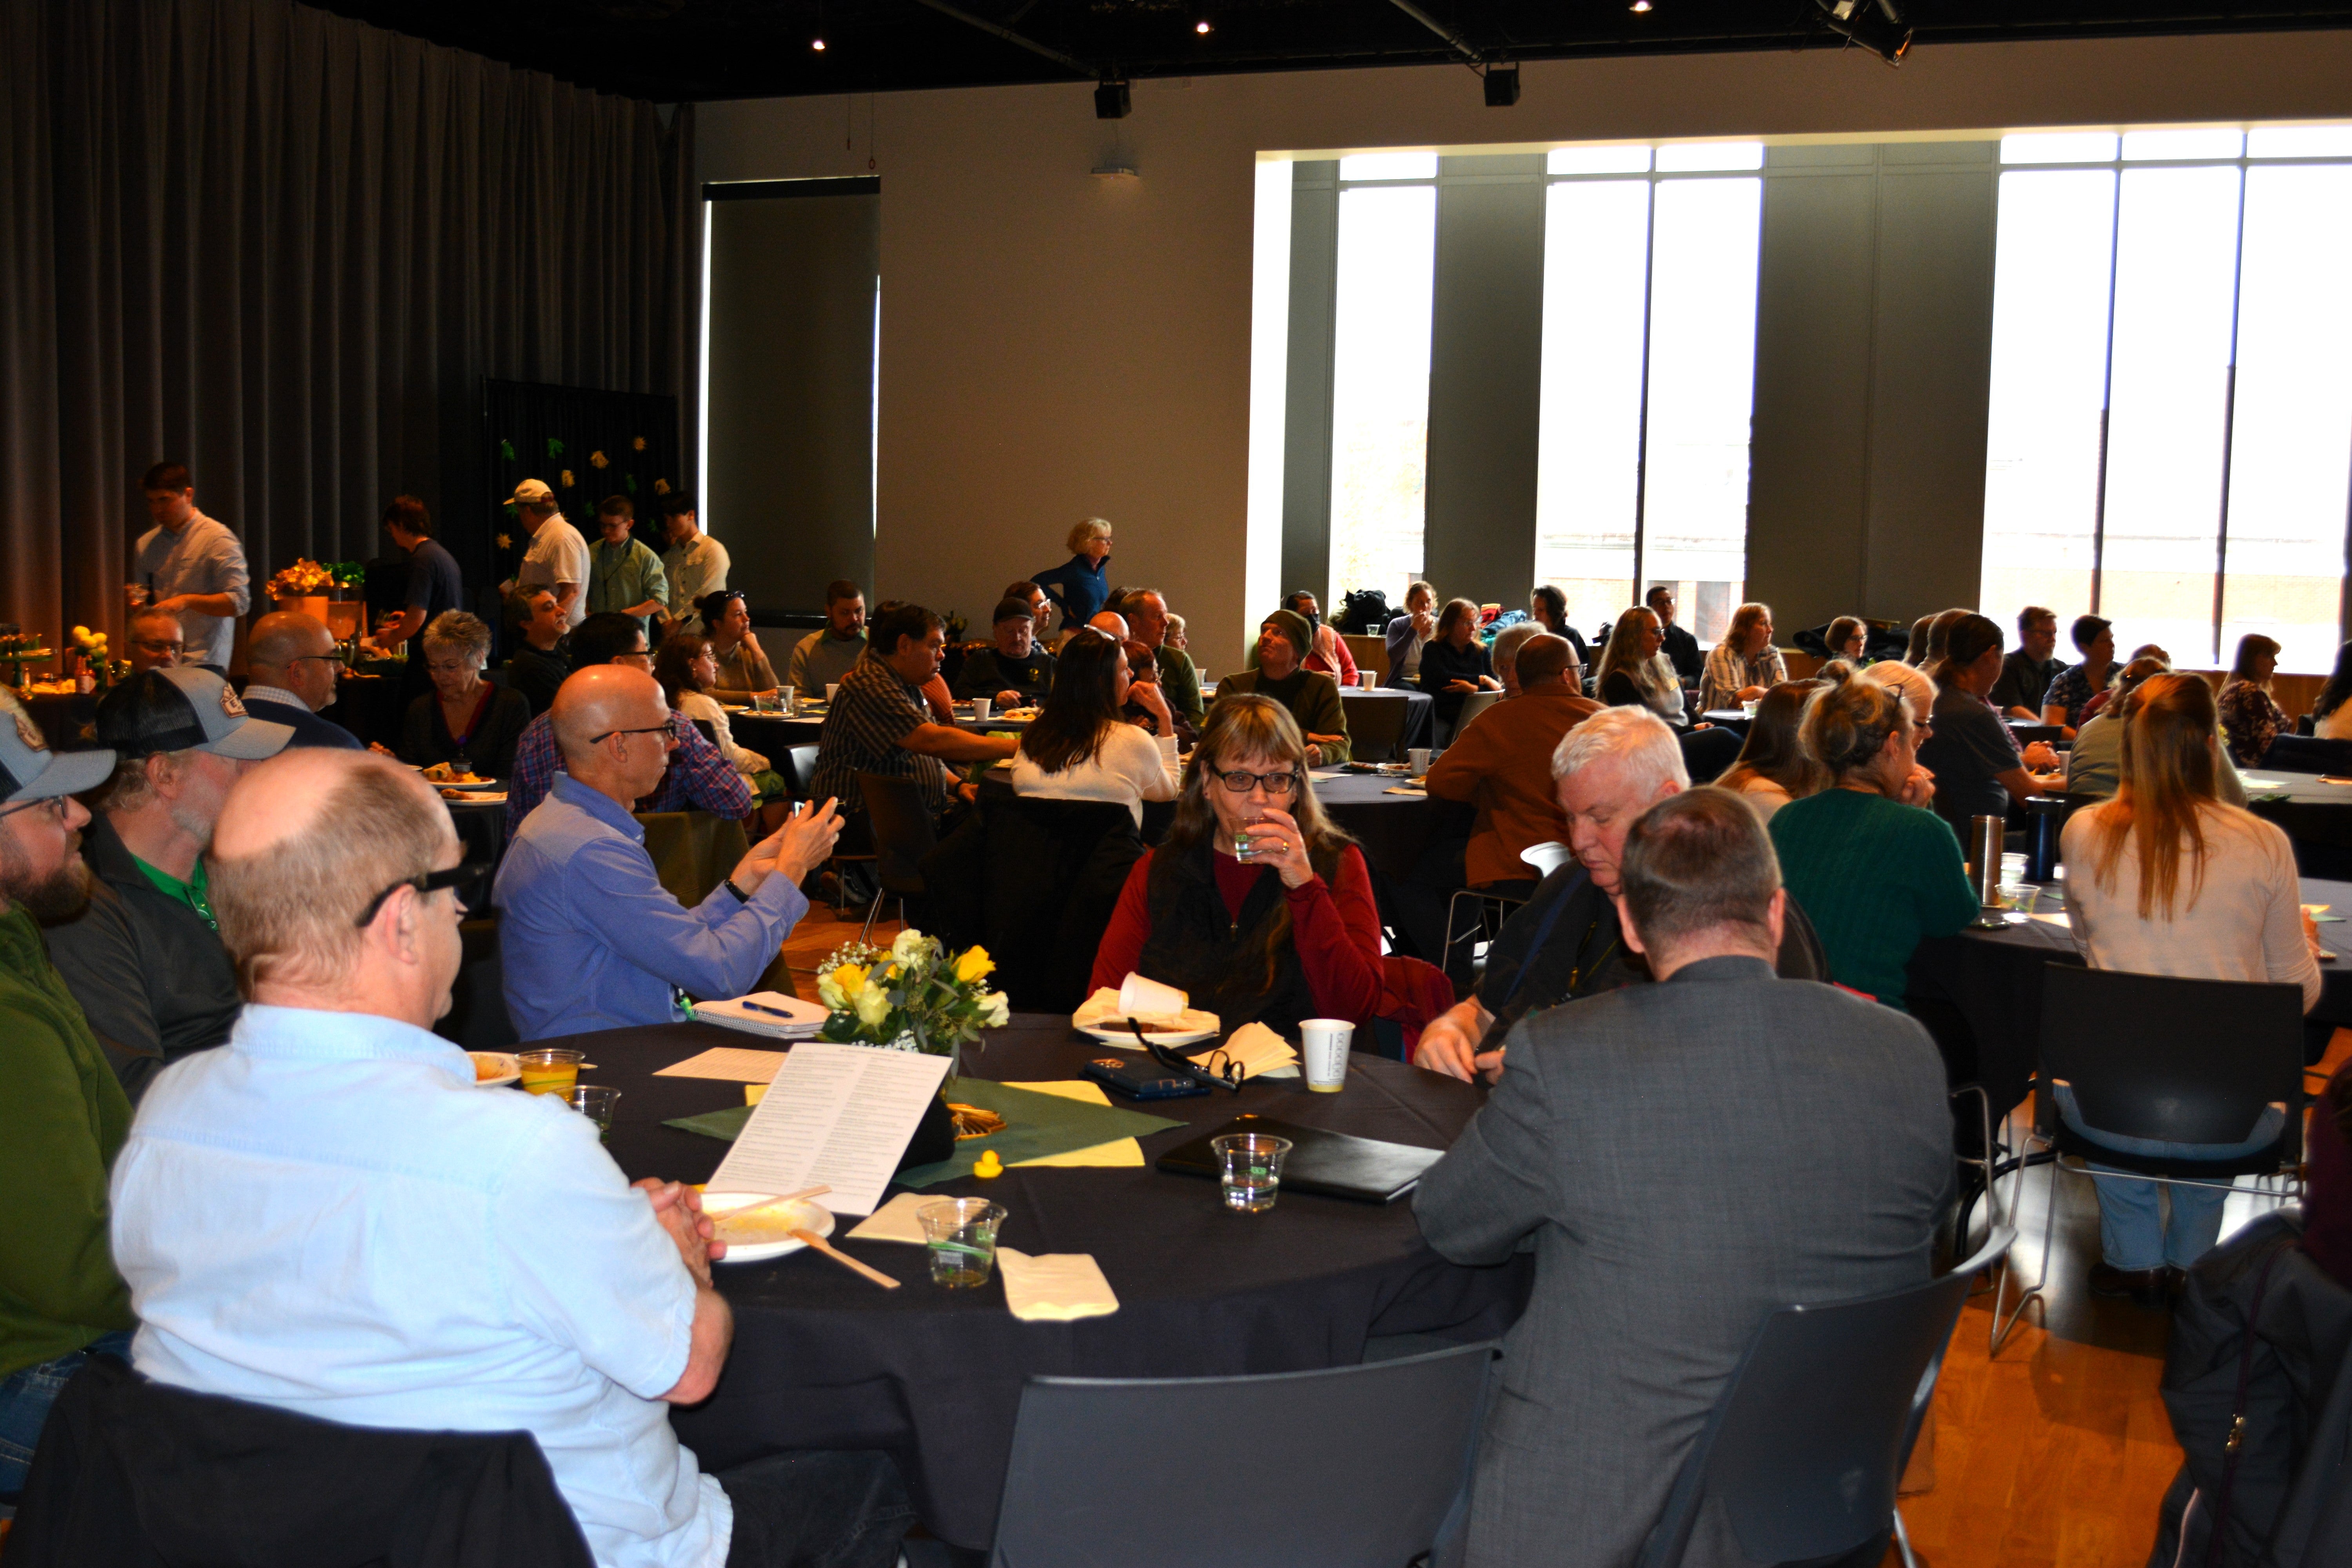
{"x": 557, "y": 559}
{"x": 62, "y": 1116}
{"x": 144, "y": 958}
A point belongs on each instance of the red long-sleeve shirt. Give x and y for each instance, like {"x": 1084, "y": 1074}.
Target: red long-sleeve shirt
{"x": 1336, "y": 930}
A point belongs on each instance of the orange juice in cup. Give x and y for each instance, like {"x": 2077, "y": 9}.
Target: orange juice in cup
{"x": 548, "y": 1071}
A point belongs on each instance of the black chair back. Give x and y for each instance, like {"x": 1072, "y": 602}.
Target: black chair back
{"x": 1806, "y": 1444}
{"x": 2182, "y": 1061}
{"x": 2304, "y": 754}
{"x": 1053, "y": 871}
{"x": 1358, "y": 1464}
{"x": 1375, "y": 725}
{"x": 903, "y": 832}
{"x": 798, "y": 764}
{"x": 709, "y": 731}
{"x": 1708, "y": 754}
{"x": 130, "y": 1472}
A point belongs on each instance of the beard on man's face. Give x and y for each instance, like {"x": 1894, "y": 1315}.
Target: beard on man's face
{"x": 51, "y": 899}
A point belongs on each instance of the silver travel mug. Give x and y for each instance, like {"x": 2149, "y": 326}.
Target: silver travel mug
{"x": 1986, "y": 832}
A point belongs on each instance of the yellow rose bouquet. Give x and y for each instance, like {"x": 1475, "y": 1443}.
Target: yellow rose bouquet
{"x": 914, "y": 996}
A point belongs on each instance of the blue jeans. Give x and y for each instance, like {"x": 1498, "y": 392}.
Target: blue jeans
{"x": 26, "y": 1396}
{"x": 2133, "y": 1232}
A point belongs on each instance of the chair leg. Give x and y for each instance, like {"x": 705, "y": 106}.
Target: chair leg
{"x": 871, "y": 910}
{"x": 2001, "y": 1330}
{"x": 1902, "y": 1541}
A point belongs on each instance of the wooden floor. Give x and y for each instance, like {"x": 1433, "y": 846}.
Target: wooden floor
{"x": 2056, "y": 1454}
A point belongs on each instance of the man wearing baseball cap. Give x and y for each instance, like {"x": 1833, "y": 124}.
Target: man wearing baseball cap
{"x": 557, "y": 559}
{"x": 62, "y": 1115}
{"x": 144, "y": 959}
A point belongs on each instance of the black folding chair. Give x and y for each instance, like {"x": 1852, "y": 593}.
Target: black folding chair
{"x": 2176, "y": 1061}
{"x": 1805, "y": 1447}
{"x": 1294, "y": 1492}
{"x": 903, "y": 834}
{"x": 798, "y": 764}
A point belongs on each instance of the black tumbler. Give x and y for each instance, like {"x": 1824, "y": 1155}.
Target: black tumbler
{"x": 2046, "y": 814}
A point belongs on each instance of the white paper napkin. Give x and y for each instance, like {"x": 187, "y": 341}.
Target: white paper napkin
{"x": 1054, "y": 1288}
{"x": 895, "y": 1221}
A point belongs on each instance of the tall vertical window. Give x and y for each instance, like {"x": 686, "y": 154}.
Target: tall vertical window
{"x": 1380, "y": 368}
{"x": 2170, "y": 434}
{"x": 1649, "y": 270}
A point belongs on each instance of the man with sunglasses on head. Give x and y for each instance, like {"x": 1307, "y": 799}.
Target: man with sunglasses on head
{"x": 699, "y": 776}
{"x": 62, "y": 1115}
{"x": 381, "y": 1243}
{"x": 144, "y": 958}
{"x": 292, "y": 659}
{"x": 588, "y": 937}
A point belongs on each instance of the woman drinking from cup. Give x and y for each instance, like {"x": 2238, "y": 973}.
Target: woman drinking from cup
{"x": 464, "y": 720}
{"x": 1254, "y": 905}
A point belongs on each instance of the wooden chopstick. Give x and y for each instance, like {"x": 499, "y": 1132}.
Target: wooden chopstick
{"x": 812, "y": 1239}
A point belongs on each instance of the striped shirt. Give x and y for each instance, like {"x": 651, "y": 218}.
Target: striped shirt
{"x": 874, "y": 713}
{"x": 697, "y": 776}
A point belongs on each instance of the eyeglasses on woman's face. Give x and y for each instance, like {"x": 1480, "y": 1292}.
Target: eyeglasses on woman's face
{"x": 1241, "y": 781}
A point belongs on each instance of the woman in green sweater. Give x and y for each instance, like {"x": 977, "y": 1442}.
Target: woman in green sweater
{"x": 1875, "y": 869}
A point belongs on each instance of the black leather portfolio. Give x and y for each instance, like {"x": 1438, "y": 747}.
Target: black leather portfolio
{"x": 1331, "y": 1163}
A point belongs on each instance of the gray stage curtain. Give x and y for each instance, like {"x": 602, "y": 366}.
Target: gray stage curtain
{"x": 286, "y": 248}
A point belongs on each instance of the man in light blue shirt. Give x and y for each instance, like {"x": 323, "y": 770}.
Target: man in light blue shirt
{"x": 326, "y": 1217}
{"x": 588, "y": 937}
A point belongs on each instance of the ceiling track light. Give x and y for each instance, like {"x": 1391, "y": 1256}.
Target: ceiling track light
{"x": 817, "y": 43}
{"x": 1201, "y": 28}
{"x": 1640, "y": 8}
{"x": 1875, "y": 25}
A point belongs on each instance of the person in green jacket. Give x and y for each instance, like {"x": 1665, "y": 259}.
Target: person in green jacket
{"x": 63, "y": 1116}
{"x": 1877, "y": 870}
{"x": 1312, "y": 697}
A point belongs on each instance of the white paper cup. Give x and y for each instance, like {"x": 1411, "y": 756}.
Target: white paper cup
{"x": 981, "y": 707}
{"x": 832, "y": 690}
{"x": 1364, "y": 678}
{"x": 1323, "y": 1053}
{"x": 1417, "y": 759}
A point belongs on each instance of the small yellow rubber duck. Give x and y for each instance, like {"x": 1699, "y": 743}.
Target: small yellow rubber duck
{"x": 988, "y": 1167}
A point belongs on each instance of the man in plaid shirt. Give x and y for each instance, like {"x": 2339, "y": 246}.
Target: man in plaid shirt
{"x": 697, "y": 777}
{"x": 879, "y": 722}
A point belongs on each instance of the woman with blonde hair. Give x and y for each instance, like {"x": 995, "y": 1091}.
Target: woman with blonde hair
{"x": 2167, "y": 878}
{"x": 2251, "y": 717}
{"x": 1632, "y": 672}
{"x": 1875, "y": 869}
{"x": 1744, "y": 664}
{"x": 1081, "y": 588}
{"x": 1254, "y": 905}
{"x": 1773, "y": 768}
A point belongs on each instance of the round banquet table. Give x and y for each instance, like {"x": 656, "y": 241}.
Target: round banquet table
{"x": 1420, "y": 726}
{"x": 1994, "y": 979}
{"x": 1394, "y": 831}
{"x": 824, "y": 1359}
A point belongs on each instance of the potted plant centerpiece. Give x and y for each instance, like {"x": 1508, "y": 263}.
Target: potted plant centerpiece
{"x": 914, "y": 996}
{"x": 302, "y": 587}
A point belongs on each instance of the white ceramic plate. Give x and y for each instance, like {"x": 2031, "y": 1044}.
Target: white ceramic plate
{"x": 509, "y": 1069}
{"x": 801, "y": 1216}
{"x": 1199, "y": 1026}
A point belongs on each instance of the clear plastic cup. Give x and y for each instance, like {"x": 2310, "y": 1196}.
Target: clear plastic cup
{"x": 1249, "y": 1169}
{"x": 960, "y": 1234}
{"x": 595, "y": 1102}
{"x": 548, "y": 1071}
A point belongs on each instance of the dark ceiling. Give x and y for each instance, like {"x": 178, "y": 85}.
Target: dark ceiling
{"x": 672, "y": 50}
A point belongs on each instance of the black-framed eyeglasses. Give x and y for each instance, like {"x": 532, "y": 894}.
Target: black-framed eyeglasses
{"x": 1242, "y": 783}
{"x": 1221, "y": 1071}
{"x": 55, "y": 805}
{"x": 648, "y": 729}
{"x": 457, "y": 876}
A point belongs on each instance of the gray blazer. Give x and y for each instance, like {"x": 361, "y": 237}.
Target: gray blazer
{"x": 1682, "y": 1159}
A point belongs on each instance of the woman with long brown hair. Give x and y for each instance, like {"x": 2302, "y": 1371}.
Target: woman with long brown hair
{"x": 1080, "y": 748}
{"x": 2251, "y": 716}
{"x": 1631, "y": 673}
{"x": 1773, "y": 767}
{"x": 2167, "y": 879}
{"x": 1285, "y": 933}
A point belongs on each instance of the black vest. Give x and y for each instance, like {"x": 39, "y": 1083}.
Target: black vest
{"x": 1217, "y": 959}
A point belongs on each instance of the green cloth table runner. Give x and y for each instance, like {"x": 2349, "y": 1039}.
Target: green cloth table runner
{"x": 1036, "y": 1125}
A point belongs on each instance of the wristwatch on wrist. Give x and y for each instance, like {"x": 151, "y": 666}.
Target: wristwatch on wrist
{"x": 741, "y": 895}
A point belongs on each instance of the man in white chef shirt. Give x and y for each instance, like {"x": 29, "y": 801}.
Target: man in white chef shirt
{"x": 557, "y": 559}
{"x": 325, "y": 1216}
{"x": 195, "y": 566}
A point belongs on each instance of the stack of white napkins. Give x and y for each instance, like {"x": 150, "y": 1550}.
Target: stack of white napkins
{"x": 768, "y": 1013}
{"x": 1056, "y": 1287}
{"x": 1146, "y": 1002}
{"x": 1261, "y": 1052}
{"x": 895, "y": 1221}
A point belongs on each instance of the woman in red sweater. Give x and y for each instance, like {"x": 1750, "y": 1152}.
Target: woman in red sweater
{"x": 1289, "y": 935}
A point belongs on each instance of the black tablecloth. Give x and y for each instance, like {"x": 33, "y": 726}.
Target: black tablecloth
{"x": 824, "y": 1359}
{"x": 372, "y": 707}
{"x": 1394, "y": 830}
{"x": 1994, "y": 979}
{"x": 1420, "y": 716}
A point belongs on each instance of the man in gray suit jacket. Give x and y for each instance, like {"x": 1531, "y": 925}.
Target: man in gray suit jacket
{"x": 1682, "y": 1159}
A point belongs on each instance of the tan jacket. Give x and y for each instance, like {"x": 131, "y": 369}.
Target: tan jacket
{"x": 1501, "y": 764}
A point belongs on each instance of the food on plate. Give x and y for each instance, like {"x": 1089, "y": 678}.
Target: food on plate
{"x": 760, "y": 1223}
{"x": 444, "y": 774}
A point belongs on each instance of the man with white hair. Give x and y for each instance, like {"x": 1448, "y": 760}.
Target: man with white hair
{"x": 383, "y": 1244}
{"x": 588, "y": 937}
{"x": 1565, "y": 942}
{"x": 144, "y": 958}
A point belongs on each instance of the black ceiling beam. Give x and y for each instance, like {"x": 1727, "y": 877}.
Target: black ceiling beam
{"x": 1010, "y": 36}
{"x": 1462, "y": 46}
